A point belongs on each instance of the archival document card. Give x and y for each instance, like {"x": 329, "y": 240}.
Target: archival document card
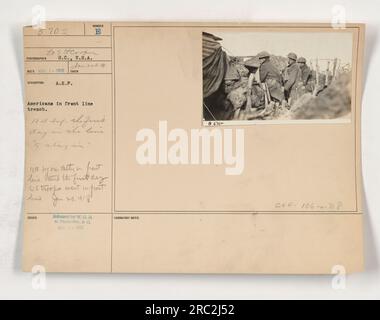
{"x": 193, "y": 148}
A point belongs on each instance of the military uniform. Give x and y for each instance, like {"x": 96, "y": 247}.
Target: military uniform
{"x": 231, "y": 79}
{"x": 293, "y": 80}
{"x": 272, "y": 77}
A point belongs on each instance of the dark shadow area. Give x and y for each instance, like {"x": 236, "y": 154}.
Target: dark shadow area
{"x": 370, "y": 45}
{"x": 370, "y": 250}
{"x": 17, "y": 43}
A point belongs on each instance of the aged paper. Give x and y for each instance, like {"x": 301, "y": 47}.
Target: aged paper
{"x": 193, "y": 147}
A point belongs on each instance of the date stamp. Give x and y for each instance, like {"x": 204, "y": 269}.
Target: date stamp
{"x": 309, "y": 205}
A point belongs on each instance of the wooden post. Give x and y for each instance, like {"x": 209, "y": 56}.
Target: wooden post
{"x": 248, "y": 105}
{"x": 327, "y": 73}
{"x": 316, "y": 88}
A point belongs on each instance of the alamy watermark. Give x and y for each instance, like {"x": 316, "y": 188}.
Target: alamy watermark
{"x": 202, "y": 146}
{"x": 338, "y": 17}
{"x": 38, "y": 277}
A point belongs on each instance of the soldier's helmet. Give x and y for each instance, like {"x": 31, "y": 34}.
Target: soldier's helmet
{"x": 292, "y": 56}
{"x": 263, "y": 54}
{"x": 252, "y": 63}
{"x": 301, "y": 60}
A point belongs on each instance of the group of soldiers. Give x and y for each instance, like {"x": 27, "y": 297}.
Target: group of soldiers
{"x": 284, "y": 87}
{"x": 268, "y": 85}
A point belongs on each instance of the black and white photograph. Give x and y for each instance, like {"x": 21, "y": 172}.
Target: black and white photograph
{"x": 256, "y": 76}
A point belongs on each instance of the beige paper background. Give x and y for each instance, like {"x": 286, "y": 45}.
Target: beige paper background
{"x": 278, "y": 158}
{"x": 157, "y": 76}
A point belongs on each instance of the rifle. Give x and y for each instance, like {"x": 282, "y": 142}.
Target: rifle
{"x": 268, "y": 99}
{"x": 266, "y": 91}
{"x": 249, "y": 93}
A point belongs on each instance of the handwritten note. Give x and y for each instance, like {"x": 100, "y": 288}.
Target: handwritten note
{"x": 67, "y": 182}
{"x": 65, "y": 133}
{"x": 73, "y": 222}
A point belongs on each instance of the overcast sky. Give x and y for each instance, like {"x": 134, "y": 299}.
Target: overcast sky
{"x": 310, "y": 45}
